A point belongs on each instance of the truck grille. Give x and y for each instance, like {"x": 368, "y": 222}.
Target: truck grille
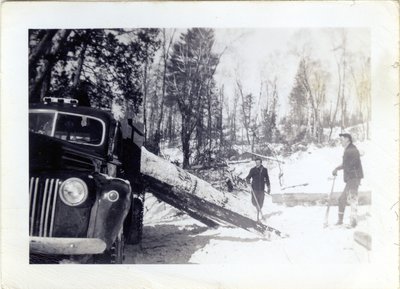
{"x": 77, "y": 161}
{"x": 42, "y": 201}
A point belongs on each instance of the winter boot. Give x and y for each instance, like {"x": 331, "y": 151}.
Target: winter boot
{"x": 353, "y": 222}
{"x": 340, "y": 219}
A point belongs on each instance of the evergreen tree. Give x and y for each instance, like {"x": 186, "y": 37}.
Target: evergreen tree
{"x": 189, "y": 79}
{"x": 94, "y": 65}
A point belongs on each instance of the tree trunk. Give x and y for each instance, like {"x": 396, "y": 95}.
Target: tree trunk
{"x": 197, "y": 197}
{"x": 78, "y": 71}
{"x": 199, "y": 134}
{"x": 333, "y": 119}
{"x": 42, "y": 47}
{"x": 169, "y": 125}
{"x": 209, "y": 128}
{"x": 45, "y": 85}
{"x": 157, "y": 134}
{"x": 220, "y": 124}
{"x": 185, "y": 139}
{"x": 48, "y": 64}
{"x": 186, "y": 150}
{"x": 246, "y": 117}
{"x": 343, "y": 114}
{"x": 145, "y": 101}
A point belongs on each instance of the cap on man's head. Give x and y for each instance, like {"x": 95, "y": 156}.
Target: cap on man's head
{"x": 346, "y": 135}
{"x": 258, "y": 159}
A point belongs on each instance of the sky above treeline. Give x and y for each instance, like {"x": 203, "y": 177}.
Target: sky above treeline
{"x": 255, "y": 55}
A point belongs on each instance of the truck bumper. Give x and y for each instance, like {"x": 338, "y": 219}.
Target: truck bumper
{"x": 66, "y": 246}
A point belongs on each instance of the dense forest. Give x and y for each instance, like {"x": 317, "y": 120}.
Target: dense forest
{"x": 169, "y": 79}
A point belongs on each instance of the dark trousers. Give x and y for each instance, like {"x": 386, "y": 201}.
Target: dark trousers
{"x": 260, "y": 198}
{"x": 349, "y": 196}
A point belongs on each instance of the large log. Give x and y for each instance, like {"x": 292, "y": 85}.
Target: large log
{"x": 295, "y": 199}
{"x": 196, "y": 197}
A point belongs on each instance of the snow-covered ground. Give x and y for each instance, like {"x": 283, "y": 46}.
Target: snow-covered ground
{"x": 172, "y": 237}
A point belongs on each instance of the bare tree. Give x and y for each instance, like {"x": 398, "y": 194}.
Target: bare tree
{"x": 247, "y": 106}
{"x": 232, "y": 115}
{"x": 340, "y": 53}
{"x": 156, "y": 103}
{"x": 362, "y": 84}
{"x": 313, "y": 80}
{"x": 219, "y": 116}
{"x": 269, "y": 113}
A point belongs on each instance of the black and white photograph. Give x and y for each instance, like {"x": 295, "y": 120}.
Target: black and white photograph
{"x": 266, "y": 146}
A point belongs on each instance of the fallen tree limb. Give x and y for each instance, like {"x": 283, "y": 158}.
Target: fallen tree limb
{"x": 295, "y": 186}
{"x": 209, "y": 166}
{"x": 265, "y": 157}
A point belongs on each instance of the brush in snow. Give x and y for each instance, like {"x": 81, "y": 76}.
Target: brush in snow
{"x": 196, "y": 197}
{"x": 329, "y": 203}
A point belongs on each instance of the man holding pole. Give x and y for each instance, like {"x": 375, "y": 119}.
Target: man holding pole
{"x": 352, "y": 175}
{"x": 260, "y": 178}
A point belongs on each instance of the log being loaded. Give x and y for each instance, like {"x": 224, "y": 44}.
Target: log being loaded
{"x": 196, "y": 197}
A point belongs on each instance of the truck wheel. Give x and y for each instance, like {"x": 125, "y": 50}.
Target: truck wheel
{"x": 134, "y": 223}
{"x": 114, "y": 255}
{"x": 117, "y": 250}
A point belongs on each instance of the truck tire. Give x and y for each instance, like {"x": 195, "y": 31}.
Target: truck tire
{"x": 134, "y": 223}
{"x": 117, "y": 250}
{"x": 114, "y": 255}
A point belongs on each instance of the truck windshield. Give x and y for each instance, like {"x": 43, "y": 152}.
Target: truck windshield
{"x": 73, "y": 128}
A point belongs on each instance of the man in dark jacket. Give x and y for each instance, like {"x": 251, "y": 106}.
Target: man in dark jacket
{"x": 352, "y": 175}
{"x": 259, "y": 176}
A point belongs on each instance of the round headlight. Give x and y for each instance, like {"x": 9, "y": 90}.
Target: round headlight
{"x": 73, "y": 191}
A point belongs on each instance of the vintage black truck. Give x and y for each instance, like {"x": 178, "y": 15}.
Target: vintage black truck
{"x": 88, "y": 174}
{"x": 85, "y": 201}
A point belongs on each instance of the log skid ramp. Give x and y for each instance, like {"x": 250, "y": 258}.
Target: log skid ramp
{"x": 198, "y": 198}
